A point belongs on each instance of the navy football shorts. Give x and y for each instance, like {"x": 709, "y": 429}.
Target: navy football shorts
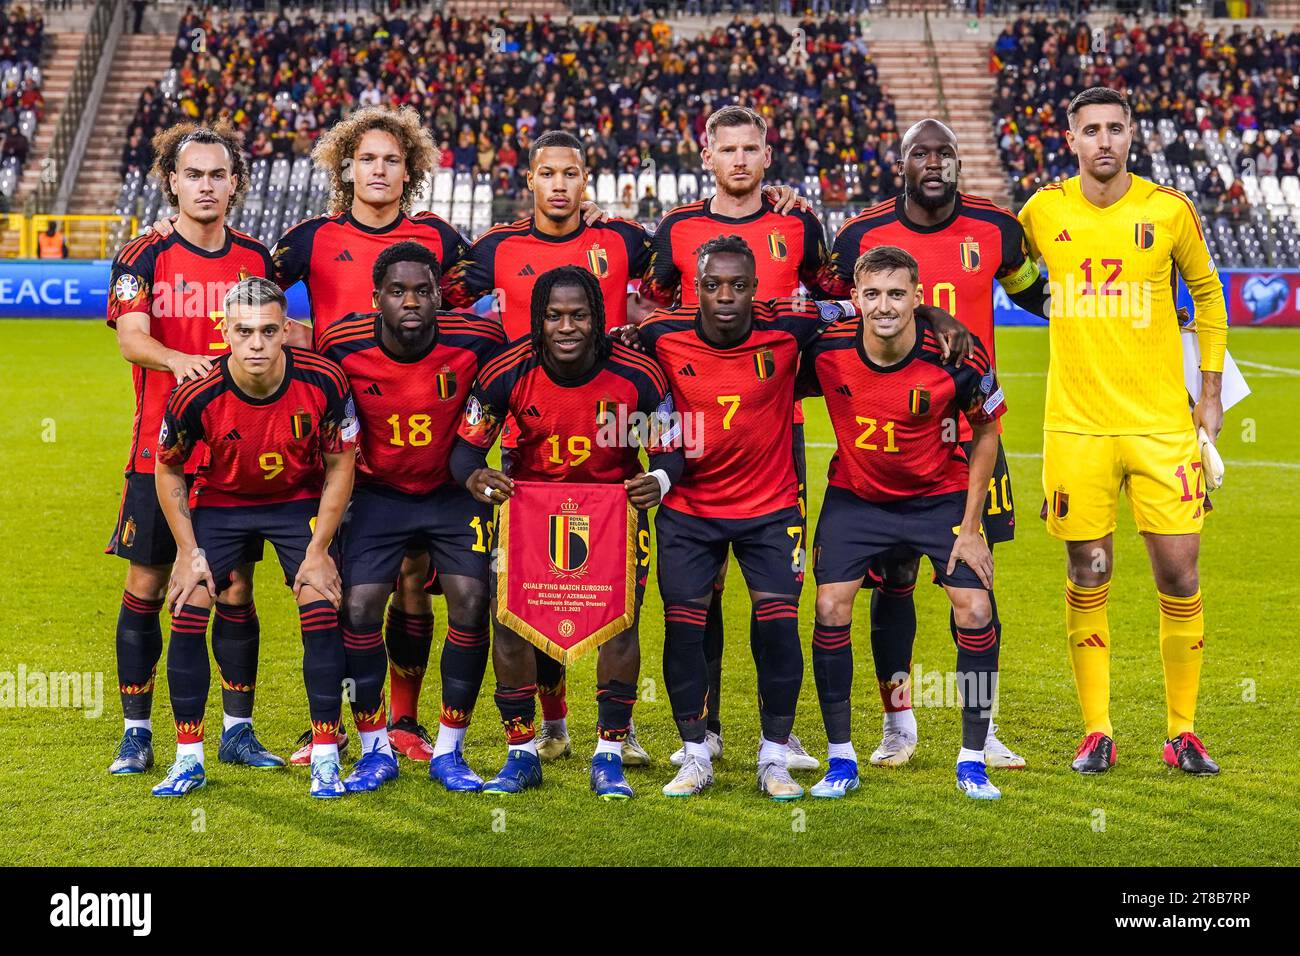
{"x": 142, "y": 534}
{"x": 999, "y": 514}
{"x": 852, "y": 532}
{"x": 228, "y": 535}
{"x": 692, "y": 550}
{"x": 382, "y": 525}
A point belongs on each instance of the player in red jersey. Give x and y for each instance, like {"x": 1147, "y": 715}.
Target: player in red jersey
{"x": 964, "y": 244}
{"x": 165, "y": 302}
{"x": 376, "y": 160}
{"x": 411, "y": 368}
{"x": 790, "y": 252}
{"x": 732, "y": 364}
{"x": 507, "y": 262}
{"x": 280, "y": 429}
{"x": 548, "y": 384}
{"x": 901, "y": 483}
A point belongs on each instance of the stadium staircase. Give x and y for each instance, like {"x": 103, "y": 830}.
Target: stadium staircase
{"x": 138, "y": 60}
{"x": 955, "y": 86}
{"x": 58, "y": 61}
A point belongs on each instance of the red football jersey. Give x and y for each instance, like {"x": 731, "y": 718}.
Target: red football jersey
{"x": 410, "y": 408}
{"x": 335, "y": 255}
{"x": 581, "y": 430}
{"x": 183, "y": 289}
{"x": 789, "y": 250}
{"x": 735, "y": 405}
{"x": 508, "y": 259}
{"x": 261, "y": 451}
{"x": 959, "y": 259}
{"x": 895, "y": 426}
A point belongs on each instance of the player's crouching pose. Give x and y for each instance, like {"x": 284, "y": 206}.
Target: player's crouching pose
{"x": 549, "y": 383}
{"x": 281, "y": 433}
{"x": 411, "y": 368}
{"x": 900, "y": 483}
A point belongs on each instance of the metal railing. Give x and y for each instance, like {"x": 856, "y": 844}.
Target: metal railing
{"x": 53, "y": 165}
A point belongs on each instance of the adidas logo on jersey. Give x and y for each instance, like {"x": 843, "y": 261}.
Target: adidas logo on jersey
{"x": 532, "y": 412}
{"x": 1063, "y": 236}
{"x": 686, "y": 370}
{"x": 374, "y": 390}
{"x": 1092, "y": 641}
{"x": 527, "y": 271}
{"x": 844, "y": 390}
{"x": 232, "y": 435}
{"x": 343, "y": 256}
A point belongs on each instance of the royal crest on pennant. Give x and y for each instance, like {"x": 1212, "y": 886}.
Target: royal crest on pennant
{"x": 570, "y": 540}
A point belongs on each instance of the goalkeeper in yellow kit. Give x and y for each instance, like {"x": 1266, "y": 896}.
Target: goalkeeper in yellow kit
{"x": 1117, "y": 408}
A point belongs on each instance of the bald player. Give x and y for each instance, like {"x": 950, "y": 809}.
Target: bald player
{"x": 963, "y": 245}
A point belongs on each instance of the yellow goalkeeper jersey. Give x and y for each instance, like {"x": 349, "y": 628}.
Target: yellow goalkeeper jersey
{"x": 1116, "y": 362}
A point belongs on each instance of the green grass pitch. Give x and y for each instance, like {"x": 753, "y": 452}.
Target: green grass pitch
{"x": 63, "y": 440}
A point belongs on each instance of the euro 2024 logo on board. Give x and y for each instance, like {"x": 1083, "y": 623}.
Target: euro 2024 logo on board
{"x": 569, "y": 545}
{"x": 1265, "y": 295}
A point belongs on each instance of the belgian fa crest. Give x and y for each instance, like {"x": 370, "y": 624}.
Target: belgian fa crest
{"x": 598, "y": 262}
{"x": 970, "y": 254}
{"x": 570, "y": 540}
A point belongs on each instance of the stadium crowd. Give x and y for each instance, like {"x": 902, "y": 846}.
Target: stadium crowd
{"x": 630, "y": 87}
{"x": 1201, "y": 79}
{"x": 22, "y": 37}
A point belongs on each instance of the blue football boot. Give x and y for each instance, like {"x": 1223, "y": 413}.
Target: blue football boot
{"x": 973, "y": 780}
{"x": 521, "y": 771}
{"x": 371, "y": 772}
{"x": 185, "y": 775}
{"x": 325, "y": 782}
{"x": 841, "y": 777}
{"x": 607, "y": 780}
{"x": 239, "y": 745}
{"x": 454, "y": 773}
{"x": 134, "y": 753}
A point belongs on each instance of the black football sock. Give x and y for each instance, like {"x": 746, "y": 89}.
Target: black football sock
{"x": 518, "y": 708}
{"x": 614, "y": 701}
{"x": 408, "y": 638}
{"x": 893, "y": 633}
{"x": 188, "y": 671}
{"x": 463, "y": 664}
{"x": 324, "y": 665}
{"x": 139, "y": 648}
{"x": 686, "y": 672}
{"x": 832, "y": 660}
{"x": 713, "y": 658}
{"x": 781, "y": 671}
{"x": 551, "y": 689}
{"x": 977, "y": 674}
{"x": 236, "y": 636}
{"x": 366, "y": 666}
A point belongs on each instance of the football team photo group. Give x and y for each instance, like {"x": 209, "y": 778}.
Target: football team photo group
{"x": 555, "y": 348}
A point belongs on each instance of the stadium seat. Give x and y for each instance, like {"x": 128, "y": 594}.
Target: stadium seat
{"x": 606, "y": 189}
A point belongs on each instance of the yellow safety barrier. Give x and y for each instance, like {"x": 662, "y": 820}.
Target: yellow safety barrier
{"x": 88, "y": 237}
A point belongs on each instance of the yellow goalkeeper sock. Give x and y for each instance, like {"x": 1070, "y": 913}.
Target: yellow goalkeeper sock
{"x": 1088, "y": 632}
{"x": 1182, "y": 645}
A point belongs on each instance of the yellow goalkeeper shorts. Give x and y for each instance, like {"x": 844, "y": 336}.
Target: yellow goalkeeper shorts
{"x": 1083, "y": 475}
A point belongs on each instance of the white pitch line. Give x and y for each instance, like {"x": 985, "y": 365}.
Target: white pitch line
{"x": 1269, "y": 368}
{"x": 1288, "y": 465}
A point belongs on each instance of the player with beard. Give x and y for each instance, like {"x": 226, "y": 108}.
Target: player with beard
{"x": 963, "y": 245}
{"x": 411, "y": 367}
{"x": 790, "y": 253}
